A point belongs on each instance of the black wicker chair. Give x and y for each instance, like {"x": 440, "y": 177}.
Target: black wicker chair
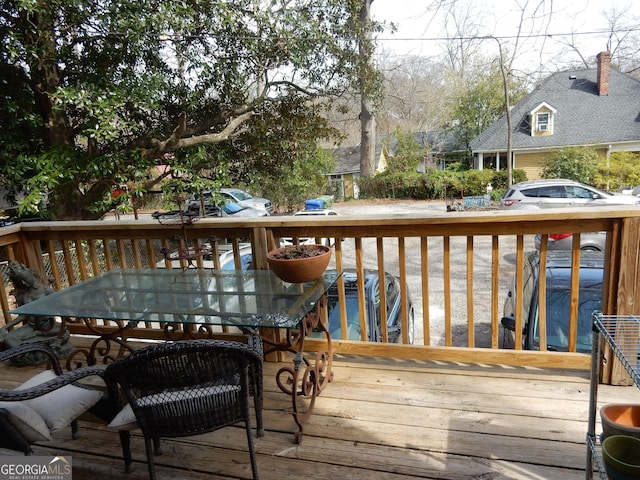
{"x": 49, "y": 401}
{"x": 186, "y": 388}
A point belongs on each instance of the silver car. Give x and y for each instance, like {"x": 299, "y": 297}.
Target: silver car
{"x": 234, "y": 195}
{"x": 536, "y": 194}
{"x": 589, "y": 241}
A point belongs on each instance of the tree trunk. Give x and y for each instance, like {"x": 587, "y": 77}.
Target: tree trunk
{"x": 46, "y": 76}
{"x": 367, "y": 120}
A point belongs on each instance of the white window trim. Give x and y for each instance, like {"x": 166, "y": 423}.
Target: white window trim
{"x": 535, "y": 124}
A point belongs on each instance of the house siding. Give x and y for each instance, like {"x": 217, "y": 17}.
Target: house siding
{"x": 531, "y": 163}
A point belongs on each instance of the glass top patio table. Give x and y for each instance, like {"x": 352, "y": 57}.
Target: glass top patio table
{"x": 252, "y": 298}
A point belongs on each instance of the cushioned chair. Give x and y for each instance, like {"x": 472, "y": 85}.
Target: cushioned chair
{"x": 186, "y": 388}
{"x": 46, "y": 403}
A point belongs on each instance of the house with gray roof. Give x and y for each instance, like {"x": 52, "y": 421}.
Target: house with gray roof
{"x": 598, "y": 108}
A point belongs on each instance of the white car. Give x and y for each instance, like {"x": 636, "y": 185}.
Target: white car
{"x": 325, "y": 212}
{"x": 313, "y": 213}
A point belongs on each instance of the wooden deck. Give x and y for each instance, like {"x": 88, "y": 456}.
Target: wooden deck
{"x": 380, "y": 420}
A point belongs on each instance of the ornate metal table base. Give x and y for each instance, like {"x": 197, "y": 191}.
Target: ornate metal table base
{"x": 303, "y": 381}
{"x": 307, "y": 378}
{"x": 110, "y": 342}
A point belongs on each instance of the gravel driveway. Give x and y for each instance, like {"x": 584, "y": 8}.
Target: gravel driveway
{"x": 481, "y": 271}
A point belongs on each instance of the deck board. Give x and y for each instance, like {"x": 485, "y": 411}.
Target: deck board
{"x": 380, "y": 420}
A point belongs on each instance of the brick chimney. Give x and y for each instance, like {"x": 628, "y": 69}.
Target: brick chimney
{"x": 604, "y": 63}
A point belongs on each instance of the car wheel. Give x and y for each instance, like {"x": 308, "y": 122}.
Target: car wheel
{"x": 590, "y": 249}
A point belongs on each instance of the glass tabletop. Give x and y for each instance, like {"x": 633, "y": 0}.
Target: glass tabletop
{"x": 252, "y": 298}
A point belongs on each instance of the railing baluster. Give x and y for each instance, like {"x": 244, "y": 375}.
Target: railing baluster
{"x": 424, "y": 275}
{"x": 384, "y": 334}
{"x": 518, "y": 291}
{"x": 446, "y": 259}
{"x": 471, "y": 339}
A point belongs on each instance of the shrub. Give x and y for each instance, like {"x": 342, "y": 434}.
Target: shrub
{"x": 435, "y": 184}
{"x": 573, "y": 163}
{"x": 621, "y": 170}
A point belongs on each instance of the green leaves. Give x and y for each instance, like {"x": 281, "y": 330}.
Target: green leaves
{"x": 120, "y": 85}
{"x": 573, "y": 163}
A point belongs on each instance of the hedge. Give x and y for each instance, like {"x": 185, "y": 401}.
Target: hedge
{"x": 436, "y": 184}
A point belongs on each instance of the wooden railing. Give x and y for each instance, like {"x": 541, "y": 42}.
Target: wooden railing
{"x": 457, "y": 267}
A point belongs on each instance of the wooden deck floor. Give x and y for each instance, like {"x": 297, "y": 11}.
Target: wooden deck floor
{"x": 380, "y": 420}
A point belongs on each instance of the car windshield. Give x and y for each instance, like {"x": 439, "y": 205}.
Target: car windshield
{"x": 558, "y": 307}
{"x": 241, "y": 195}
{"x": 231, "y": 208}
{"x": 353, "y": 317}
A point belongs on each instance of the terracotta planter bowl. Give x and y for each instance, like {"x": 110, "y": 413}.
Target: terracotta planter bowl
{"x": 621, "y": 456}
{"x": 620, "y": 419}
{"x": 299, "y": 270}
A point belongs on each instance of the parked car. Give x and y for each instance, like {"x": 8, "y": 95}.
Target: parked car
{"x": 372, "y": 303}
{"x": 593, "y": 241}
{"x": 313, "y": 213}
{"x": 536, "y": 194}
{"x": 234, "y": 195}
{"x": 225, "y": 253}
{"x": 316, "y": 213}
{"x": 558, "y": 278}
{"x": 228, "y": 209}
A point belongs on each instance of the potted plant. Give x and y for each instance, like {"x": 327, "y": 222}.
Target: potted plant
{"x": 299, "y": 263}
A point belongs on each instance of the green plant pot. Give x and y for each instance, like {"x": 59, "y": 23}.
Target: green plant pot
{"x": 621, "y": 455}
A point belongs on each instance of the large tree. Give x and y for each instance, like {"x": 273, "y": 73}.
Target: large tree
{"x": 96, "y": 93}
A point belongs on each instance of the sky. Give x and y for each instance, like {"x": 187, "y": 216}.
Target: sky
{"x": 419, "y": 29}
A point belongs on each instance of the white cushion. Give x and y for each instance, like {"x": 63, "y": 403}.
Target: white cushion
{"x": 60, "y": 407}
{"x": 27, "y": 421}
{"x": 126, "y": 420}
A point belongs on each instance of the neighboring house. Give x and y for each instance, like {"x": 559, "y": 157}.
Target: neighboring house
{"x": 598, "y": 108}
{"x": 441, "y": 149}
{"x": 347, "y": 169}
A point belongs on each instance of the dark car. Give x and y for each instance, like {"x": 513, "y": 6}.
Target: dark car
{"x": 558, "y": 278}
{"x": 372, "y": 304}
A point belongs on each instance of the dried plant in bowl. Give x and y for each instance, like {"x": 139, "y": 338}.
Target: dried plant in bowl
{"x": 299, "y": 263}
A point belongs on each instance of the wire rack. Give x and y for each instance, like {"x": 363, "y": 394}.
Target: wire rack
{"x": 622, "y": 333}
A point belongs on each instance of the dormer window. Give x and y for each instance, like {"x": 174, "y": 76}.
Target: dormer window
{"x": 542, "y": 120}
